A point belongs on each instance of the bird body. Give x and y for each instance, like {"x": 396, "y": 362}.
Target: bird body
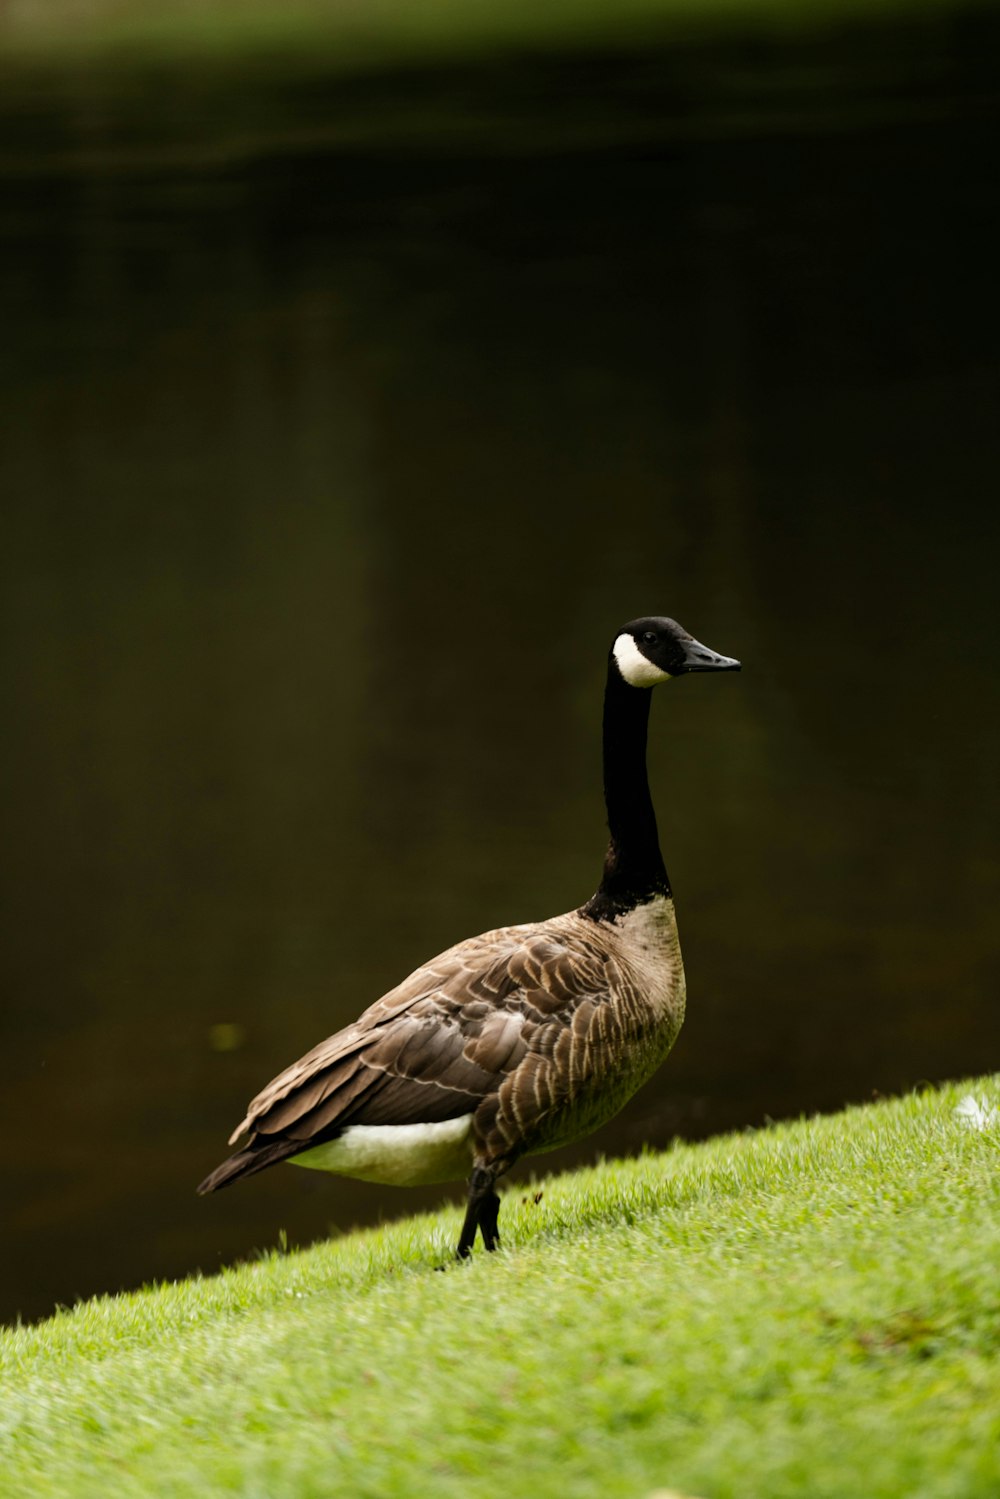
{"x": 521, "y": 1039}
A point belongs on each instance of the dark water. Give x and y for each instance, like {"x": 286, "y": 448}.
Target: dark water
{"x": 328, "y": 474}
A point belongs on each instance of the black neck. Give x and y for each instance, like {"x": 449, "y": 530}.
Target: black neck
{"x": 633, "y": 866}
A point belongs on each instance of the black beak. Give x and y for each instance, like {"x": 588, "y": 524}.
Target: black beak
{"x": 698, "y": 657}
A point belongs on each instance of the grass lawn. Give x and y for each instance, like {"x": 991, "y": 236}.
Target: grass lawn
{"x": 810, "y": 1310}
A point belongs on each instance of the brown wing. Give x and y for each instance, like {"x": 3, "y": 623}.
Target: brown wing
{"x": 511, "y": 1016}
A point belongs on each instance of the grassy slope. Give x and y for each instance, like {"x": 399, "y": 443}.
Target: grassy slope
{"x": 810, "y": 1310}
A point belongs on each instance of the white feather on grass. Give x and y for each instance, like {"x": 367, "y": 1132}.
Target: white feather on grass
{"x": 976, "y": 1113}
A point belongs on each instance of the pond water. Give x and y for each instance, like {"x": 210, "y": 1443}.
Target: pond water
{"x": 329, "y": 470}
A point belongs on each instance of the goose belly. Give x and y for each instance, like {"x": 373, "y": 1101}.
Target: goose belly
{"x": 598, "y": 1097}
{"x": 396, "y": 1155}
{"x": 594, "y": 1106}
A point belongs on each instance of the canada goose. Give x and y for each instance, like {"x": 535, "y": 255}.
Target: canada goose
{"x": 519, "y": 1040}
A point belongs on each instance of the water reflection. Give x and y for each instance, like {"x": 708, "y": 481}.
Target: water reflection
{"x": 326, "y": 482}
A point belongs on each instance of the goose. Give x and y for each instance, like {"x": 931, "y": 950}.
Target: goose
{"x": 519, "y": 1040}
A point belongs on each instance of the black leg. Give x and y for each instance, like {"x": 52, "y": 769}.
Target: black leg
{"x": 481, "y": 1213}
{"x": 488, "y": 1215}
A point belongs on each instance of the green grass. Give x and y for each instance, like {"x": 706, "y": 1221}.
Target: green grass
{"x": 810, "y": 1310}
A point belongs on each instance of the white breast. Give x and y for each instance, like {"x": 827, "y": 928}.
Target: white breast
{"x": 397, "y": 1155}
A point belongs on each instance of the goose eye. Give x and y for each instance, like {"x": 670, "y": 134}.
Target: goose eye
{"x": 649, "y": 638}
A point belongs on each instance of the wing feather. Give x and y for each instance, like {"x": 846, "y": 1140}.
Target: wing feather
{"x": 506, "y": 1024}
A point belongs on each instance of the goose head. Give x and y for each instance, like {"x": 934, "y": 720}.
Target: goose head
{"x": 652, "y": 650}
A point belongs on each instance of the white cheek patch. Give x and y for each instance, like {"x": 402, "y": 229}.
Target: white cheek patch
{"x": 633, "y": 665}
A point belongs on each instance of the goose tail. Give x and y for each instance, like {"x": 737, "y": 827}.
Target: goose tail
{"x": 255, "y": 1157}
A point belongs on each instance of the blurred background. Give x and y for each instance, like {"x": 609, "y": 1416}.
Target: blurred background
{"x": 360, "y": 376}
